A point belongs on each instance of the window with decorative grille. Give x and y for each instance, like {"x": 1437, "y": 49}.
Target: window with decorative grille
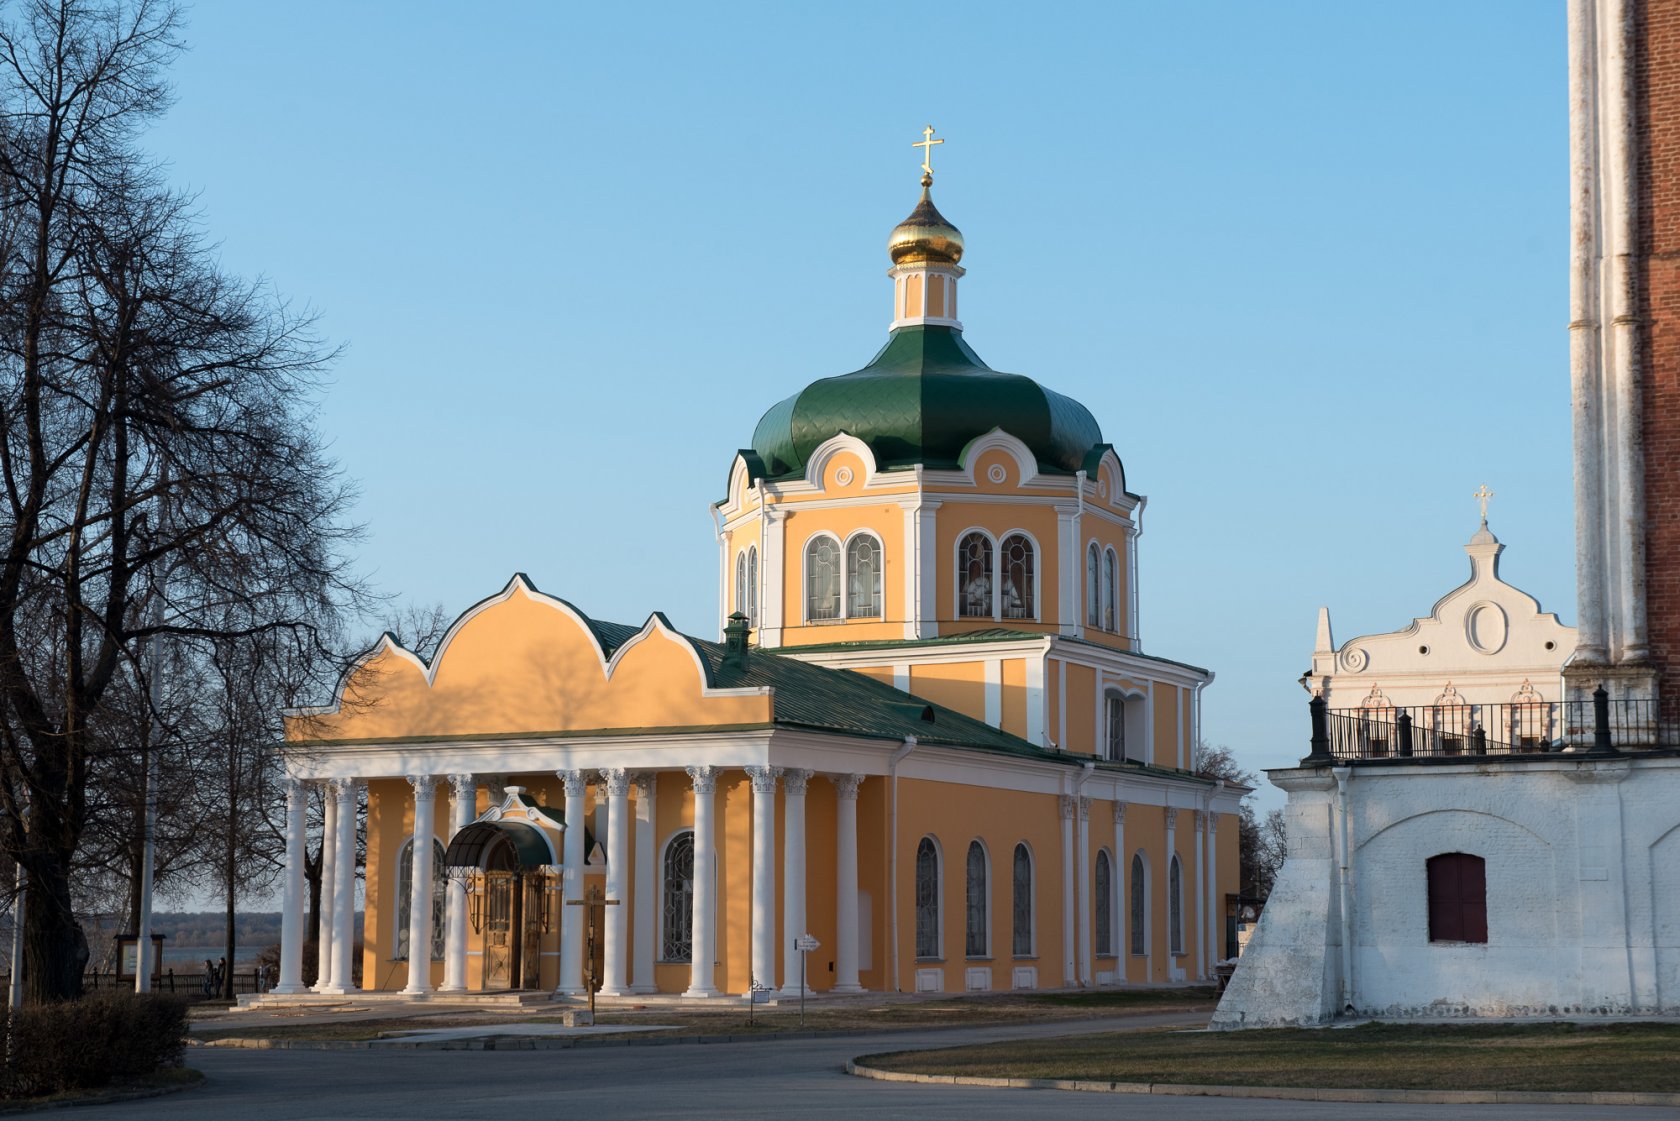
{"x": 863, "y": 578}
{"x": 1093, "y": 587}
{"x": 1139, "y": 889}
{"x": 1022, "y": 910}
{"x": 1114, "y": 706}
{"x": 1111, "y": 588}
{"x": 405, "y": 900}
{"x": 974, "y": 576}
{"x": 1017, "y": 576}
{"x": 1175, "y": 906}
{"x": 822, "y": 576}
{"x": 927, "y": 899}
{"x": 1104, "y": 905}
{"x": 677, "y": 900}
{"x": 975, "y": 942}
{"x": 1457, "y": 898}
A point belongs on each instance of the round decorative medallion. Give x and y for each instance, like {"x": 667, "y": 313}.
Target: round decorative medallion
{"x": 1354, "y": 660}
{"x": 1487, "y": 628}
{"x": 843, "y": 476}
{"x": 996, "y": 473}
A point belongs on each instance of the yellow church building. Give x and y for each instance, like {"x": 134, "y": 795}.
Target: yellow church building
{"x": 930, "y": 738}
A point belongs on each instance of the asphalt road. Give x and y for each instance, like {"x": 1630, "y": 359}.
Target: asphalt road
{"x": 760, "y": 1079}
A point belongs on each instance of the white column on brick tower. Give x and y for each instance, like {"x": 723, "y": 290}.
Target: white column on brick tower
{"x": 323, "y": 931}
{"x": 463, "y": 801}
{"x": 1070, "y": 975}
{"x": 343, "y": 791}
{"x": 291, "y": 921}
{"x": 704, "y": 952}
{"x": 1210, "y": 825}
{"x": 1121, "y": 880}
{"x": 793, "y": 874}
{"x": 615, "y": 958}
{"x": 1200, "y": 942}
{"x": 420, "y": 888}
{"x": 646, "y": 924}
{"x": 846, "y": 883}
{"x": 764, "y": 875}
{"x": 572, "y": 919}
{"x": 1085, "y": 934}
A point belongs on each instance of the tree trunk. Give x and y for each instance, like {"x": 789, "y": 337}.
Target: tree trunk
{"x": 230, "y": 866}
{"x": 55, "y": 950}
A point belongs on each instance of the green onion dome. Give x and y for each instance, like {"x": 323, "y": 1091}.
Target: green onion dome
{"x": 922, "y": 400}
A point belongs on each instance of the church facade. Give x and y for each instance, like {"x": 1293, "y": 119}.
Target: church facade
{"x": 929, "y": 739}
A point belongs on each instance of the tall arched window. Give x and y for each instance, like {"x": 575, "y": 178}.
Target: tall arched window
{"x": 863, "y": 578}
{"x": 746, "y": 584}
{"x": 975, "y": 942}
{"x": 1457, "y": 898}
{"x": 927, "y": 899}
{"x": 1021, "y": 922}
{"x": 405, "y": 900}
{"x": 1111, "y": 588}
{"x": 974, "y": 576}
{"x": 677, "y": 899}
{"x": 1016, "y": 577}
{"x": 822, "y": 578}
{"x": 1093, "y": 589}
{"x": 1175, "y": 906}
{"x": 1105, "y": 905}
{"x": 1114, "y": 717}
{"x": 1140, "y": 907}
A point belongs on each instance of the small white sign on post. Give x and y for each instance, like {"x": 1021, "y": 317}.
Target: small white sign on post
{"x": 805, "y": 944}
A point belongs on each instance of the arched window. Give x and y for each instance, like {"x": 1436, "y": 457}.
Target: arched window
{"x": 1093, "y": 589}
{"x": 975, "y": 942}
{"x": 677, "y": 899}
{"x": 746, "y": 584}
{"x": 1017, "y": 577}
{"x": 927, "y": 899}
{"x": 822, "y": 578}
{"x": 1175, "y": 906}
{"x": 405, "y": 900}
{"x": 863, "y": 578}
{"x": 1111, "y": 588}
{"x": 1457, "y": 898}
{"x": 1140, "y": 906}
{"x": 974, "y": 576}
{"x": 1022, "y": 910}
{"x": 1114, "y": 716}
{"x": 1105, "y": 905}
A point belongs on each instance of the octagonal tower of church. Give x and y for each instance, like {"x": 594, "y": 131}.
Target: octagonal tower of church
{"x": 926, "y": 494}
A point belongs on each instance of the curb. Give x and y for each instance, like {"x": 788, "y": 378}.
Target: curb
{"x": 109, "y": 1097}
{"x": 517, "y": 1042}
{"x": 1290, "y": 1093}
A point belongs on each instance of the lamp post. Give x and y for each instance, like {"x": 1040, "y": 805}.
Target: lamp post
{"x": 148, "y": 844}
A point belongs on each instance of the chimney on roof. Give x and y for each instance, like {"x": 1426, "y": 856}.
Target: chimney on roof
{"x": 735, "y": 641}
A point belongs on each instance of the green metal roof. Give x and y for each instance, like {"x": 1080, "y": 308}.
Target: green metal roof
{"x": 922, "y": 400}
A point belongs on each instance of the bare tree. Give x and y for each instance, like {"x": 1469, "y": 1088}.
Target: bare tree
{"x": 1259, "y": 842}
{"x": 155, "y": 419}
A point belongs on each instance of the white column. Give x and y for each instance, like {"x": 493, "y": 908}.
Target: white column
{"x": 1070, "y": 976}
{"x": 1216, "y": 917}
{"x": 343, "y": 791}
{"x": 704, "y": 953}
{"x": 793, "y": 874}
{"x": 1166, "y": 881}
{"x": 646, "y": 923}
{"x": 1201, "y": 896}
{"x": 616, "y": 953}
{"x": 572, "y": 919}
{"x": 1122, "y": 894}
{"x": 1085, "y": 932}
{"x": 323, "y": 931}
{"x": 463, "y": 800}
{"x": 764, "y": 875}
{"x": 420, "y": 888}
{"x": 291, "y": 920}
{"x": 771, "y": 563}
{"x": 846, "y": 883}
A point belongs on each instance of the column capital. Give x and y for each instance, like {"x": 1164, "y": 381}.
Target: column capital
{"x": 1119, "y": 813}
{"x": 846, "y": 786}
{"x": 1172, "y": 817}
{"x": 1210, "y": 822}
{"x": 463, "y": 787}
{"x": 577, "y": 782}
{"x": 423, "y": 785}
{"x": 1084, "y": 809}
{"x": 763, "y": 779}
{"x": 1066, "y": 803}
{"x": 617, "y": 781}
{"x": 295, "y": 788}
{"x": 704, "y": 777}
{"x": 796, "y": 780}
{"x": 645, "y": 782}
{"x": 339, "y": 787}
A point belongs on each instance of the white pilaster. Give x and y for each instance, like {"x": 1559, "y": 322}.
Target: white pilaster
{"x": 1122, "y": 895}
{"x": 343, "y": 791}
{"x": 704, "y": 953}
{"x": 1200, "y": 941}
{"x": 572, "y": 920}
{"x": 323, "y": 932}
{"x": 614, "y": 959}
{"x": 774, "y": 562}
{"x": 764, "y": 875}
{"x": 1166, "y": 882}
{"x": 1070, "y": 567}
{"x": 1215, "y": 917}
{"x": 846, "y": 883}
{"x": 1086, "y": 977}
{"x": 420, "y": 889}
{"x": 793, "y": 874}
{"x": 927, "y": 570}
{"x": 291, "y": 921}
{"x": 463, "y": 801}
{"x": 646, "y": 924}
{"x": 1070, "y": 975}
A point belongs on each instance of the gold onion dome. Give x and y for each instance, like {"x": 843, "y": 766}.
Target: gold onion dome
{"x": 925, "y": 235}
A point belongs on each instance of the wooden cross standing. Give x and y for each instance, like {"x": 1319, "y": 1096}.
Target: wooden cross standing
{"x": 596, "y": 905}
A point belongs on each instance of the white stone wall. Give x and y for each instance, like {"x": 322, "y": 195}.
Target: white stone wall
{"x": 1583, "y": 878}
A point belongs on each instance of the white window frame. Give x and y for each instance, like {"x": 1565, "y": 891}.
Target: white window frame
{"x": 1111, "y": 590}
{"x": 1113, "y": 929}
{"x": 985, "y": 952}
{"x": 844, "y": 545}
{"x": 1140, "y": 860}
{"x": 995, "y": 575}
{"x": 938, "y": 898}
{"x": 1093, "y": 585}
{"x": 1031, "y": 951}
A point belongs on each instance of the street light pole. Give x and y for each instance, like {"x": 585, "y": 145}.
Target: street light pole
{"x": 148, "y": 845}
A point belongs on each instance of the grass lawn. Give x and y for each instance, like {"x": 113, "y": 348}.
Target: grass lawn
{"x": 998, "y": 1008}
{"x": 1552, "y": 1056}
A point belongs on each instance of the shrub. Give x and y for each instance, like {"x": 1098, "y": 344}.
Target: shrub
{"x": 104, "y": 1038}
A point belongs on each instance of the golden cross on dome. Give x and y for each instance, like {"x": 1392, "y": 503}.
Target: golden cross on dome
{"x": 926, "y": 144}
{"x": 1483, "y": 495}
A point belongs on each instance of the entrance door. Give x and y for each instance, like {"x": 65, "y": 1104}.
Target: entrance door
{"x": 499, "y": 926}
{"x": 530, "y": 956}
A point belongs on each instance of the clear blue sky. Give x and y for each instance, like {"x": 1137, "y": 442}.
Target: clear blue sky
{"x": 1306, "y": 263}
